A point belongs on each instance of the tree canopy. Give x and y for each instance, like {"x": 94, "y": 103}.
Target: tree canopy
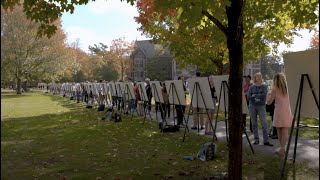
{"x": 25, "y": 55}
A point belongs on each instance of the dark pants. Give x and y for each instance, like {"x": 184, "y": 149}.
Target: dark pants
{"x": 157, "y": 106}
{"x": 147, "y": 105}
{"x": 180, "y": 111}
{"x": 165, "y": 109}
{"x": 274, "y": 129}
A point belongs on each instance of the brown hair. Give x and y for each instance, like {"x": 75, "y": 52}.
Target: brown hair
{"x": 280, "y": 82}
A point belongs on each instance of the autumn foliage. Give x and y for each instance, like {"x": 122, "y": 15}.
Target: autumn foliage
{"x": 314, "y": 42}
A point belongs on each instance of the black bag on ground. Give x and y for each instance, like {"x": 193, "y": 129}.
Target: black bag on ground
{"x": 101, "y": 107}
{"x": 117, "y": 118}
{"x": 207, "y": 151}
{"x": 171, "y": 128}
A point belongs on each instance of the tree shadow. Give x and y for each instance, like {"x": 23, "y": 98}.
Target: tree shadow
{"x": 10, "y": 95}
{"x": 66, "y": 102}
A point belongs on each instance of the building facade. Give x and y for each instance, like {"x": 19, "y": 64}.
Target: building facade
{"x": 152, "y": 61}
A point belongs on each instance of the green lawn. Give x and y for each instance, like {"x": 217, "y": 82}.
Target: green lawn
{"x": 49, "y": 137}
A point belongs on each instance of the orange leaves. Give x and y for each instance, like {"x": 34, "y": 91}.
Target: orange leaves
{"x": 314, "y": 42}
{"x": 148, "y": 12}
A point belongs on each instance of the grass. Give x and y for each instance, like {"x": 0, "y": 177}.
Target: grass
{"x": 50, "y": 137}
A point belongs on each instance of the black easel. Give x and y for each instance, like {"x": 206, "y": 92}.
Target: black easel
{"x": 197, "y": 88}
{"x": 130, "y": 99}
{"x": 155, "y": 92}
{"x": 145, "y": 100}
{"x": 224, "y": 87}
{"x": 109, "y": 95}
{"x": 173, "y": 89}
{"x": 120, "y": 99}
{"x": 297, "y": 110}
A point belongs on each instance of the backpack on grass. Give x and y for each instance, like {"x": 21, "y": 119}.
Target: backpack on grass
{"x": 170, "y": 128}
{"x": 207, "y": 151}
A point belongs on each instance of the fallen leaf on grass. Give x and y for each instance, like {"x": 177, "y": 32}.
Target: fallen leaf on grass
{"x": 167, "y": 177}
{"x": 186, "y": 173}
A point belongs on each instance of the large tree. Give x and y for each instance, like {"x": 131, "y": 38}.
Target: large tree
{"x": 25, "y": 54}
{"x": 120, "y": 51}
{"x": 245, "y": 28}
{"x": 263, "y": 21}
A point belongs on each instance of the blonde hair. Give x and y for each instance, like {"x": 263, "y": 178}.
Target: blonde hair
{"x": 280, "y": 82}
{"x": 255, "y": 77}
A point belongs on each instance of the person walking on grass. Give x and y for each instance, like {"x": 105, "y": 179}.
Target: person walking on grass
{"x": 257, "y": 95}
{"x": 282, "y": 117}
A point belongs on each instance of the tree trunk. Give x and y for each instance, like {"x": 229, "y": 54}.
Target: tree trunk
{"x": 18, "y": 86}
{"x": 122, "y": 73}
{"x": 235, "y": 44}
{"x": 25, "y": 88}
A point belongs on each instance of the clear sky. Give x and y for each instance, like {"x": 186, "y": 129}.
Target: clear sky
{"x": 103, "y": 21}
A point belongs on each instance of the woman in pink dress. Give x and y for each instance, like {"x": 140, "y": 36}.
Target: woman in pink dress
{"x": 282, "y": 118}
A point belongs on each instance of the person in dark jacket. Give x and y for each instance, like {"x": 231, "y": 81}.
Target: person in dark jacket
{"x": 149, "y": 94}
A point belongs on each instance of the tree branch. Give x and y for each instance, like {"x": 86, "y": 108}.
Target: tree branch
{"x": 215, "y": 21}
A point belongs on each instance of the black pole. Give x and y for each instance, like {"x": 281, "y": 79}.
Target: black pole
{"x": 298, "y": 120}
{"x": 190, "y": 107}
{"x": 292, "y": 126}
{"x": 198, "y": 116}
{"x": 225, "y": 107}
{"x": 180, "y": 105}
{"x": 205, "y": 105}
{"x": 215, "y": 126}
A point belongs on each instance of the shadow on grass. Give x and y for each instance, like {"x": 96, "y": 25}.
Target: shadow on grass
{"x": 66, "y": 102}
{"x": 9, "y": 95}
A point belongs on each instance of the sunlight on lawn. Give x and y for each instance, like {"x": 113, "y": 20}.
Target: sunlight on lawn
{"x": 28, "y": 105}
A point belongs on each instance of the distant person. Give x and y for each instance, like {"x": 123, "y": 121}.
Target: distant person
{"x": 180, "y": 109}
{"x": 282, "y": 118}
{"x": 139, "y": 101}
{"x": 149, "y": 95}
{"x": 164, "y": 106}
{"x": 257, "y": 94}
{"x": 195, "y": 112}
{"x": 157, "y": 104}
{"x": 245, "y": 88}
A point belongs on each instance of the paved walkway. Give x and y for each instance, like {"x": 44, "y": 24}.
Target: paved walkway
{"x": 307, "y": 149}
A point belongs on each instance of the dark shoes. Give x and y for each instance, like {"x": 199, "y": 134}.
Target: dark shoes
{"x": 256, "y": 142}
{"x": 195, "y": 128}
{"x": 160, "y": 125}
{"x": 267, "y": 144}
{"x": 274, "y": 137}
